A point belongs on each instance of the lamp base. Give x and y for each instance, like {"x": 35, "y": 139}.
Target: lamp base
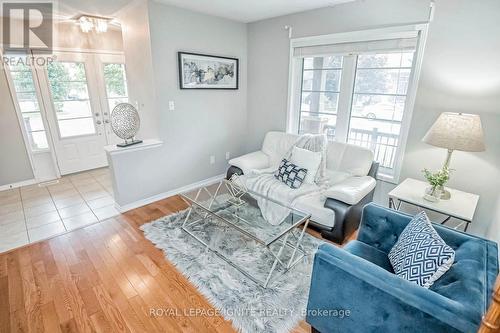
{"x": 128, "y": 143}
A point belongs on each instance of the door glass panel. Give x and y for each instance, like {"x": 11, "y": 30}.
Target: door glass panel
{"x": 23, "y": 81}
{"x": 76, "y": 127}
{"x": 27, "y": 100}
{"x": 116, "y": 84}
{"x": 33, "y": 121}
{"x": 39, "y": 140}
{"x": 69, "y": 89}
{"x": 73, "y": 109}
{"x": 112, "y": 102}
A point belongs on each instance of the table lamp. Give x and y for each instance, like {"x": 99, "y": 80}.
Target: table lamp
{"x": 456, "y": 131}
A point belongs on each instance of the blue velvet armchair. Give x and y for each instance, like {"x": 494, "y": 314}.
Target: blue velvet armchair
{"x": 359, "y": 283}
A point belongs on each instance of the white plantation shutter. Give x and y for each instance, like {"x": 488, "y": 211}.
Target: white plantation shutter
{"x": 387, "y": 45}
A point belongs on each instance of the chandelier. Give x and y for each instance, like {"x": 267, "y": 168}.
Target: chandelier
{"x": 88, "y": 23}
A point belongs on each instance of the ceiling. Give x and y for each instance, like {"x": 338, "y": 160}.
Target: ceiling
{"x": 251, "y": 10}
{"x": 94, "y": 7}
{"x": 237, "y": 10}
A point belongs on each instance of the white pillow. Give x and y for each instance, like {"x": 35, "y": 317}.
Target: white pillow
{"x": 308, "y": 160}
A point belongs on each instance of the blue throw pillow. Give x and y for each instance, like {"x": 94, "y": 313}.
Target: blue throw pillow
{"x": 290, "y": 174}
{"x": 420, "y": 255}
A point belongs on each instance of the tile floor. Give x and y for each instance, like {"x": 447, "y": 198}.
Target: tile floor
{"x": 32, "y": 213}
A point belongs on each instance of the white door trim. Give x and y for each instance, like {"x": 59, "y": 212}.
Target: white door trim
{"x": 43, "y": 113}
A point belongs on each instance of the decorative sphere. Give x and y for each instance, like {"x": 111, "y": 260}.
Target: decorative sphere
{"x": 125, "y": 121}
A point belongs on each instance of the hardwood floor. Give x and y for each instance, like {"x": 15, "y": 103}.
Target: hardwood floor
{"x": 103, "y": 278}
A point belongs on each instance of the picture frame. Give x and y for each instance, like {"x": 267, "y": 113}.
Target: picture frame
{"x": 204, "y": 71}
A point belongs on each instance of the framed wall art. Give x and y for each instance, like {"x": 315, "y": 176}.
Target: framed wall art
{"x": 203, "y": 71}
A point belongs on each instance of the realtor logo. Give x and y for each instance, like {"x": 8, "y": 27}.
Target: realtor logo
{"x": 27, "y": 26}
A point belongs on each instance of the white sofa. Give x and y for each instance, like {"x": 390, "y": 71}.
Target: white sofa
{"x": 351, "y": 175}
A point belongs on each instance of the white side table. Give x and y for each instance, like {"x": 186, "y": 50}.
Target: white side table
{"x": 461, "y": 205}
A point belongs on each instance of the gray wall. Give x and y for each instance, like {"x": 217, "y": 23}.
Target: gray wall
{"x": 460, "y": 73}
{"x": 14, "y": 162}
{"x": 205, "y": 122}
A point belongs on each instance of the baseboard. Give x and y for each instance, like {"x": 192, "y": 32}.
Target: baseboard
{"x": 18, "y": 184}
{"x": 160, "y": 196}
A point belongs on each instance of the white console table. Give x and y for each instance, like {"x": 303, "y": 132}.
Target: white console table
{"x": 131, "y": 169}
{"x": 461, "y": 205}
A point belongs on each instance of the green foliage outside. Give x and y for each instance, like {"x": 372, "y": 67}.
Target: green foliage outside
{"x": 114, "y": 75}
{"x": 68, "y": 81}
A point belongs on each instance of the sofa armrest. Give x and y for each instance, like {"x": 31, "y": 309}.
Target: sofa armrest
{"x": 255, "y": 160}
{"x": 352, "y": 189}
{"x": 379, "y": 299}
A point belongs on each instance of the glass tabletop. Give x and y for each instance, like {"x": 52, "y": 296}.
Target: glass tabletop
{"x": 241, "y": 211}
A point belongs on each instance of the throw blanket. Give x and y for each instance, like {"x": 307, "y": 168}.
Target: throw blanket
{"x": 267, "y": 185}
{"x": 264, "y": 183}
{"x": 316, "y": 143}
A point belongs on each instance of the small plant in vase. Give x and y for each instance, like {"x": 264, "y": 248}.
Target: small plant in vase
{"x": 436, "y": 181}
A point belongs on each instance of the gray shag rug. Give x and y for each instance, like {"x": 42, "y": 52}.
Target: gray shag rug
{"x": 250, "y": 307}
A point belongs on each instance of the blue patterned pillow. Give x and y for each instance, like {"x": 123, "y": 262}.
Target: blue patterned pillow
{"x": 290, "y": 174}
{"x": 420, "y": 255}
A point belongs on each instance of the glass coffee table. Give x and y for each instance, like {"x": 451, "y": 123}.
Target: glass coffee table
{"x": 216, "y": 215}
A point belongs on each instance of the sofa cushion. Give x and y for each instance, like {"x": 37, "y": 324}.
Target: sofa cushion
{"x": 290, "y": 174}
{"x": 420, "y": 255}
{"x": 349, "y": 158}
{"x": 314, "y": 205}
{"x": 276, "y": 145}
{"x": 369, "y": 253}
{"x": 334, "y": 177}
{"x": 308, "y": 160}
{"x": 470, "y": 279}
{"x": 351, "y": 190}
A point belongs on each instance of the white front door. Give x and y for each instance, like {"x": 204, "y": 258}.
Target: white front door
{"x": 113, "y": 89}
{"x": 74, "y": 112}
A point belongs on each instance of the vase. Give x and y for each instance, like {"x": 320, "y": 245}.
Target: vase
{"x": 433, "y": 193}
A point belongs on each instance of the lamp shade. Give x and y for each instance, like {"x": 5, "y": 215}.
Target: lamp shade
{"x": 456, "y": 131}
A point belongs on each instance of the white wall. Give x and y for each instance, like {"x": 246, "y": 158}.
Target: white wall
{"x": 204, "y": 123}
{"x": 69, "y": 35}
{"x": 460, "y": 72}
{"x": 134, "y": 20}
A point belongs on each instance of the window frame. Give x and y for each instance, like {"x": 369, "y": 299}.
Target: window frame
{"x": 347, "y": 82}
{"x": 20, "y": 115}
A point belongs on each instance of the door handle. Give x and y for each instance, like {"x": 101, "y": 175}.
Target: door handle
{"x": 98, "y": 122}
